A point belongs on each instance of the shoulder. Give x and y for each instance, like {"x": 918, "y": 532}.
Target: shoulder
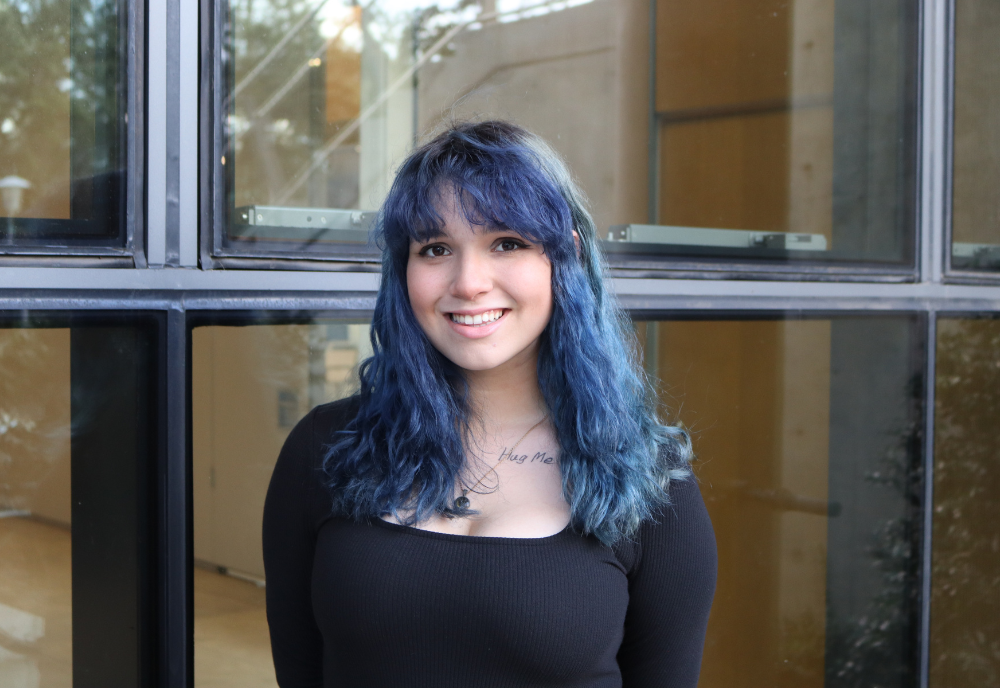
{"x": 306, "y": 445}
{"x": 333, "y": 417}
{"x": 678, "y": 534}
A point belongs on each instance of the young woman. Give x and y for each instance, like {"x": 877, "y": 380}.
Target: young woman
{"x": 498, "y": 505}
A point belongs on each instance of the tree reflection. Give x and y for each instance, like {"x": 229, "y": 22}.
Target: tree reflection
{"x": 965, "y": 618}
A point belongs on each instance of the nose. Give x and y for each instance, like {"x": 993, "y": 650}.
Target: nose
{"x": 472, "y": 276}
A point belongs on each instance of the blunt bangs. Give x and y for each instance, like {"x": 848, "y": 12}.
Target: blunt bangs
{"x": 499, "y": 178}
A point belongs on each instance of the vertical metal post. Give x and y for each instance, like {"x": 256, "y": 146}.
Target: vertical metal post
{"x": 928, "y": 511}
{"x": 175, "y": 565}
{"x": 156, "y": 137}
{"x": 935, "y": 146}
{"x": 172, "y": 141}
{"x": 189, "y": 42}
{"x": 135, "y": 131}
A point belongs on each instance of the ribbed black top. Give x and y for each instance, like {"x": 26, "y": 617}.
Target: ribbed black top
{"x": 382, "y": 605}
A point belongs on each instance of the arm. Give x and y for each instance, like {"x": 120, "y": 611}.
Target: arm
{"x": 289, "y": 542}
{"x": 670, "y": 594}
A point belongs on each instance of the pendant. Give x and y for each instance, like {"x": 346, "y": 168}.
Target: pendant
{"x": 462, "y": 502}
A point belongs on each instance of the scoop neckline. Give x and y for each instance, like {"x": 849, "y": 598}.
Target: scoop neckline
{"x": 455, "y": 537}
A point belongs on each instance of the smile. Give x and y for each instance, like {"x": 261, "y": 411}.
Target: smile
{"x": 477, "y": 320}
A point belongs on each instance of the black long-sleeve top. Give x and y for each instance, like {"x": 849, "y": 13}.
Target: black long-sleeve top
{"x": 381, "y": 605}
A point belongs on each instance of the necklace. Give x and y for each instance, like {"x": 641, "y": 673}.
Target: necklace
{"x": 463, "y": 501}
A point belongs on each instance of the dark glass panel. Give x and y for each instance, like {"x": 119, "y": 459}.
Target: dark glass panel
{"x": 808, "y": 441}
{"x": 965, "y": 605}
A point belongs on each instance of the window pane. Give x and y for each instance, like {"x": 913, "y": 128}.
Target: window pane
{"x": 965, "y": 607}
{"x": 77, "y": 439}
{"x": 61, "y": 123}
{"x": 791, "y": 120}
{"x": 782, "y": 131}
{"x": 976, "y": 204}
{"x": 807, "y": 436}
{"x": 250, "y": 386}
{"x": 806, "y": 433}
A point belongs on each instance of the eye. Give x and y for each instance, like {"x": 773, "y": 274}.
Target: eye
{"x": 434, "y": 251}
{"x": 508, "y": 244}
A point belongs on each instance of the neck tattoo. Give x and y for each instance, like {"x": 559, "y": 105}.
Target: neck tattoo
{"x": 463, "y": 502}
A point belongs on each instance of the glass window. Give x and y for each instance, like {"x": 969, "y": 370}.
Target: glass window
{"x": 808, "y": 454}
{"x": 250, "y": 386}
{"x": 62, "y": 124}
{"x": 757, "y": 130}
{"x": 976, "y": 204}
{"x": 808, "y": 457}
{"x": 77, "y": 450}
{"x": 965, "y": 607}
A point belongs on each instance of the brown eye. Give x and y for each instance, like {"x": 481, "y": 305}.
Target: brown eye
{"x": 434, "y": 251}
{"x": 506, "y": 245}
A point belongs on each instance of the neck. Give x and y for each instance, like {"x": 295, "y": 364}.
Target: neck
{"x": 508, "y": 395}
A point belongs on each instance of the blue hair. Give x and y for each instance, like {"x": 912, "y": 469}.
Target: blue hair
{"x": 403, "y": 453}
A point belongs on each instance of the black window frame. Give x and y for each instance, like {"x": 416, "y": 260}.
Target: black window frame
{"x": 123, "y": 243}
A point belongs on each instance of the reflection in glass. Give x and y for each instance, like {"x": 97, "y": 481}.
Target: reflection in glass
{"x": 77, "y": 443}
{"x": 784, "y": 128}
{"x": 250, "y": 386}
{"x": 976, "y": 203}
{"x": 61, "y": 122}
{"x": 36, "y": 642}
{"x": 965, "y": 607}
{"x": 805, "y": 433}
{"x": 319, "y": 122}
{"x": 781, "y": 130}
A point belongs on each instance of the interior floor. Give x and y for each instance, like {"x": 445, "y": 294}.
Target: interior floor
{"x": 232, "y": 649}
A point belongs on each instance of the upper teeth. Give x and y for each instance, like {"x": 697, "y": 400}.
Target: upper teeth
{"x": 479, "y": 319}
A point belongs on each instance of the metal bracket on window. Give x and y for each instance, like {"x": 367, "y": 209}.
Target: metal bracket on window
{"x": 310, "y": 224}
{"x": 965, "y": 255}
{"x": 715, "y": 238}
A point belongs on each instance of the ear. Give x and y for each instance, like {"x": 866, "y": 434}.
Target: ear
{"x": 576, "y": 242}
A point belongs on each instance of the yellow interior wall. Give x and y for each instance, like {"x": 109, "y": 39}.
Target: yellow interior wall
{"x": 35, "y": 410}
{"x": 238, "y": 374}
{"x": 755, "y": 396}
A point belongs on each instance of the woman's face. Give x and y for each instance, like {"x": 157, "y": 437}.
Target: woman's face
{"x": 482, "y": 297}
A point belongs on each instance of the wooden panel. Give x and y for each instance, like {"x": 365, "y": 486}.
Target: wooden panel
{"x": 712, "y": 53}
{"x": 755, "y": 396}
{"x": 728, "y": 173}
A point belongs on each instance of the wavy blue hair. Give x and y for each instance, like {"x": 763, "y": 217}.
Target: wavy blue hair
{"x": 403, "y": 454}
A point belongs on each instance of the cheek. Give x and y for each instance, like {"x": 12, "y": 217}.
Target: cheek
{"x": 418, "y": 289}
{"x": 537, "y": 286}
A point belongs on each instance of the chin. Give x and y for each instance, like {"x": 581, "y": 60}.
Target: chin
{"x": 488, "y": 358}
{"x": 478, "y": 363}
